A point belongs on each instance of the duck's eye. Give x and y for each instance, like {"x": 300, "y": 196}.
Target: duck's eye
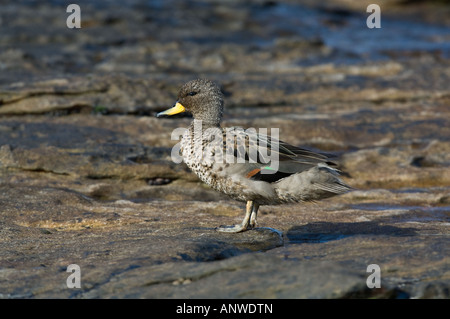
{"x": 192, "y": 93}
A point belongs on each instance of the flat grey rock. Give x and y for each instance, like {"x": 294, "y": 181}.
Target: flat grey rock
{"x": 86, "y": 175}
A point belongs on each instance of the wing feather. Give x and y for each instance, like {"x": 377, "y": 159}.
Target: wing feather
{"x": 291, "y": 159}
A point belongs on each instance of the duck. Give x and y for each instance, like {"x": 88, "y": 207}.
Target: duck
{"x": 248, "y": 165}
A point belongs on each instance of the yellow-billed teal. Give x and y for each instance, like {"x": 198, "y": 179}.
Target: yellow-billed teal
{"x": 221, "y": 157}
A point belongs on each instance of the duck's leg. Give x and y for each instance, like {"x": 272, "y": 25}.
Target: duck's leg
{"x": 242, "y": 226}
{"x": 253, "y": 216}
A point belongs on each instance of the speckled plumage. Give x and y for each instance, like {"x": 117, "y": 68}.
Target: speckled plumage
{"x": 226, "y": 160}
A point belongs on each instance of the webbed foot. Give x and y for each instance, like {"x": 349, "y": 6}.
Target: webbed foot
{"x": 249, "y": 221}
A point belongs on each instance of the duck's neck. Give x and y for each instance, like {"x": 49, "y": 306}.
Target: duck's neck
{"x": 211, "y": 116}
{"x": 203, "y": 125}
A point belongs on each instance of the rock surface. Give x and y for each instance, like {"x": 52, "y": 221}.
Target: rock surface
{"x": 86, "y": 175}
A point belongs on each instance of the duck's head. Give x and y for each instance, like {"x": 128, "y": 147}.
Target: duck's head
{"x": 202, "y": 98}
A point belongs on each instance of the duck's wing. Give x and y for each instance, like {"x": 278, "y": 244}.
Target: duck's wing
{"x": 268, "y": 159}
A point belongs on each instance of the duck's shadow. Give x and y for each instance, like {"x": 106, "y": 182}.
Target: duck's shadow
{"x": 320, "y": 232}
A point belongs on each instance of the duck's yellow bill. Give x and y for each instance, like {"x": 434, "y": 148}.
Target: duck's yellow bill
{"x": 178, "y": 108}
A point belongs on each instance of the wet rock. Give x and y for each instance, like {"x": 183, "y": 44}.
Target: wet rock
{"x": 247, "y": 276}
{"x": 92, "y": 95}
{"x": 86, "y": 174}
{"x": 158, "y": 181}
